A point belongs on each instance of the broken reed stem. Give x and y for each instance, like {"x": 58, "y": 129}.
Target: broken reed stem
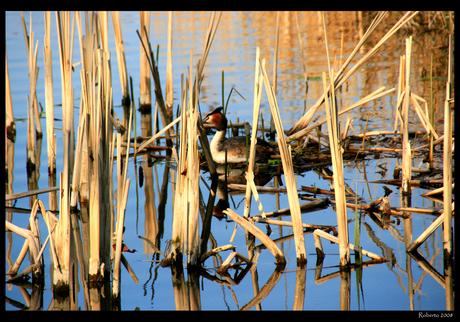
{"x": 122, "y": 70}
{"x": 334, "y": 239}
{"x": 288, "y": 171}
{"x": 435, "y": 224}
{"x": 258, "y": 83}
{"x": 122, "y": 190}
{"x": 145, "y": 96}
{"x": 33, "y": 72}
{"x": 26, "y": 233}
{"x": 10, "y": 126}
{"x": 153, "y": 138}
{"x": 426, "y": 123}
{"x": 49, "y": 102}
{"x": 267, "y": 241}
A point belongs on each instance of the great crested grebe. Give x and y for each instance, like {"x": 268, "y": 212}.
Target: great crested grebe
{"x": 235, "y": 146}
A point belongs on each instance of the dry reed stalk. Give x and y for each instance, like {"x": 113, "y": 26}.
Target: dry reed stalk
{"x": 33, "y": 71}
{"x": 160, "y": 103}
{"x": 337, "y": 161}
{"x": 26, "y": 233}
{"x": 280, "y": 260}
{"x": 258, "y": 83}
{"x": 213, "y": 23}
{"x": 77, "y": 164}
{"x": 337, "y": 164}
{"x": 35, "y": 229}
{"x": 87, "y": 57}
{"x": 406, "y": 153}
{"x": 435, "y": 224}
{"x": 49, "y": 106}
{"x": 120, "y": 48}
{"x": 153, "y": 138}
{"x": 19, "y": 195}
{"x": 287, "y": 223}
{"x": 401, "y": 92}
{"x": 194, "y": 174}
{"x": 145, "y": 85}
{"x": 169, "y": 94}
{"x": 10, "y": 126}
{"x": 288, "y": 171}
{"x": 122, "y": 190}
{"x": 447, "y": 159}
{"x": 422, "y": 116}
{"x": 62, "y": 237}
{"x": 96, "y": 177}
{"x": 186, "y": 201}
{"x": 33, "y": 121}
{"x": 347, "y": 127}
{"x": 334, "y": 239}
{"x": 51, "y": 222}
{"x": 13, "y": 270}
{"x": 251, "y": 185}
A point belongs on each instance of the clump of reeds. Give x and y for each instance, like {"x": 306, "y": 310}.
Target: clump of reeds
{"x": 185, "y": 221}
{"x": 185, "y": 237}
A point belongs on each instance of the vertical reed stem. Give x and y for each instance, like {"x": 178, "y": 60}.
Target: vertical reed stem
{"x": 275, "y": 69}
{"x": 145, "y": 87}
{"x": 62, "y": 231}
{"x": 447, "y": 158}
{"x": 406, "y": 154}
{"x": 121, "y": 57}
{"x": 288, "y": 173}
{"x": 258, "y": 83}
{"x": 169, "y": 72}
{"x": 337, "y": 161}
{"x": 49, "y": 106}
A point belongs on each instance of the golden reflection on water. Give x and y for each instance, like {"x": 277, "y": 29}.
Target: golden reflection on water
{"x": 239, "y": 33}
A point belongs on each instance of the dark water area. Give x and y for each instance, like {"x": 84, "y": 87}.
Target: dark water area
{"x": 403, "y": 283}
